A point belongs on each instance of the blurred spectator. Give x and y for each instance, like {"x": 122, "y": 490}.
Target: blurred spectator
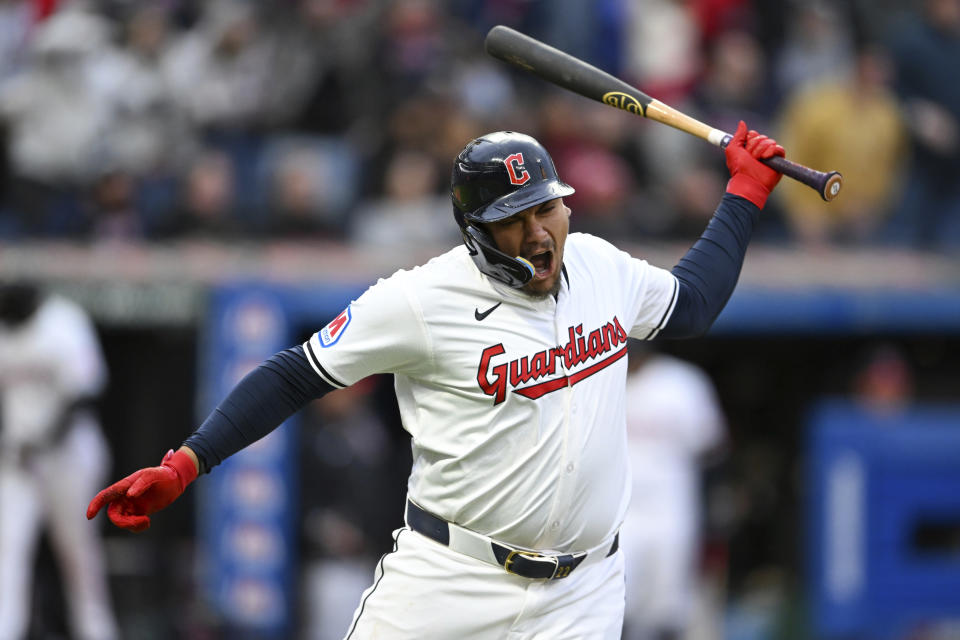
{"x": 113, "y": 211}
{"x": 382, "y": 78}
{"x": 482, "y": 89}
{"x": 482, "y": 15}
{"x": 590, "y": 30}
{"x": 716, "y": 17}
{"x": 16, "y": 27}
{"x": 219, "y": 70}
{"x": 452, "y": 133}
{"x": 686, "y": 171}
{"x": 324, "y": 50}
{"x": 422, "y": 123}
{"x": 662, "y": 48}
{"x": 148, "y": 131}
{"x": 818, "y": 45}
{"x": 296, "y": 210}
{"x": 673, "y": 420}
{"x": 412, "y": 46}
{"x": 735, "y": 83}
{"x": 56, "y": 121}
{"x": 925, "y": 48}
{"x": 52, "y": 457}
{"x": 600, "y": 148}
{"x": 853, "y": 125}
{"x": 412, "y": 211}
{"x": 311, "y": 186}
{"x": 884, "y": 381}
{"x": 604, "y": 186}
{"x": 206, "y": 204}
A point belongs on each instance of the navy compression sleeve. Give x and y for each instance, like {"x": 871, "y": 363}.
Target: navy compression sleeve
{"x": 267, "y": 396}
{"x": 708, "y": 272}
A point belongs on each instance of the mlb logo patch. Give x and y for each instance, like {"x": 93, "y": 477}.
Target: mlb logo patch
{"x": 332, "y": 332}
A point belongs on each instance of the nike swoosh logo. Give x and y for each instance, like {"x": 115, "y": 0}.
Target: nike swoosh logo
{"x": 481, "y": 316}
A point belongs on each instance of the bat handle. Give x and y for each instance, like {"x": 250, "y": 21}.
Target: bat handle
{"x": 826, "y": 183}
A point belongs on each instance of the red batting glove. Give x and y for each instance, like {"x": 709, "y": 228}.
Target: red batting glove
{"x": 750, "y": 178}
{"x": 144, "y": 492}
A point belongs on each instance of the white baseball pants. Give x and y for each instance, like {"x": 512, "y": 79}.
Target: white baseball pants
{"x": 54, "y": 490}
{"x": 424, "y": 591}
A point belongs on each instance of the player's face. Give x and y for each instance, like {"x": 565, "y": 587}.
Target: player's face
{"x": 536, "y": 234}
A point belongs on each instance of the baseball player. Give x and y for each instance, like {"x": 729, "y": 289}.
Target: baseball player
{"x": 673, "y": 421}
{"x": 508, "y": 358}
{"x": 52, "y": 455}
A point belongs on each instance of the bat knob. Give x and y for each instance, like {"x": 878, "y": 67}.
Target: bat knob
{"x": 831, "y": 186}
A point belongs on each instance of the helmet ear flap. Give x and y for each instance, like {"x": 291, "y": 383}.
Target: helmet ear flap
{"x": 515, "y": 272}
{"x": 469, "y": 240}
{"x": 18, "y": 302}
{"x": 458, "y": 216}
{"x": 470, "y": 233}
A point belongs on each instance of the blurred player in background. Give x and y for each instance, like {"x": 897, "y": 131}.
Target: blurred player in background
{"x": 52, "y": 455}
{"x": 509, "y": 369}
{"x": 673, "y": 420}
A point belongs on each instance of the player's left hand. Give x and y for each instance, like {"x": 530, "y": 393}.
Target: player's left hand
{"x": 750, "y": 178}
{"x": 132, "y": 500}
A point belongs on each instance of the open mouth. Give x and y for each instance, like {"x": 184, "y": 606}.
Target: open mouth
{"x": 542, "y": 263}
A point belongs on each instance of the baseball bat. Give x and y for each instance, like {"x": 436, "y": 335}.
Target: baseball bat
{"x": 574, "y": 74}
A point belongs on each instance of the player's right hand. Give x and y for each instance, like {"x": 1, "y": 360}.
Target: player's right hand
{"x": 750, "y": 178}
{"x": 132, "y": 500}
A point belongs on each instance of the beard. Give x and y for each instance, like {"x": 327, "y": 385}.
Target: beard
{"x": 553, "y": 291}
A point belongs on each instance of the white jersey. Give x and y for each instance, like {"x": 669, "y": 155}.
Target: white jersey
{"x": 673, "y": 417}
{"x": 45, "y": 364}
{"x": 515, "y": 404}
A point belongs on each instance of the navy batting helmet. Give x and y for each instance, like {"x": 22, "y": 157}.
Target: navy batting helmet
{"x": 18, "y": 302}
{"x": 496, "y": 176}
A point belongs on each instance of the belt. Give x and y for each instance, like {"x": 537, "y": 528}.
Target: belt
{"x": 521, "y": 562}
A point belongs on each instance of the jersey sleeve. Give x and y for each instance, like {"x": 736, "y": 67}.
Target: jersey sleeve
{"x": 650, "y": 295}
{"x": 382, "y": 331}
{"x": 654, "y": 298}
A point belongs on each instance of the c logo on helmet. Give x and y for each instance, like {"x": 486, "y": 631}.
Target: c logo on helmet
{"x": 515, "y": 169}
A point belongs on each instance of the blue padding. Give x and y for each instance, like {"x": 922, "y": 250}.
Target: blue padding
{"x": 872, "y": 480}
{"x": 757, "y": 310}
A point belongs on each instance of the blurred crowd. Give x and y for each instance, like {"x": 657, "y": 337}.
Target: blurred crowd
{"x": 338, "y": 119}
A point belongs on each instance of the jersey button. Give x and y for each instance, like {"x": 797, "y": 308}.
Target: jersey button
{"x": 570, "y": 467}
{"x": 555, "y": 524}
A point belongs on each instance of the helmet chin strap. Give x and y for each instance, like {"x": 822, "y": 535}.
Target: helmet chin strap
{"x": 512, "y": 271}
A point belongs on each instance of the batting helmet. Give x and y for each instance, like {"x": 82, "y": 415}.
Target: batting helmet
{"x": 18, "y": 302}
{"x": 496, "y": 176}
